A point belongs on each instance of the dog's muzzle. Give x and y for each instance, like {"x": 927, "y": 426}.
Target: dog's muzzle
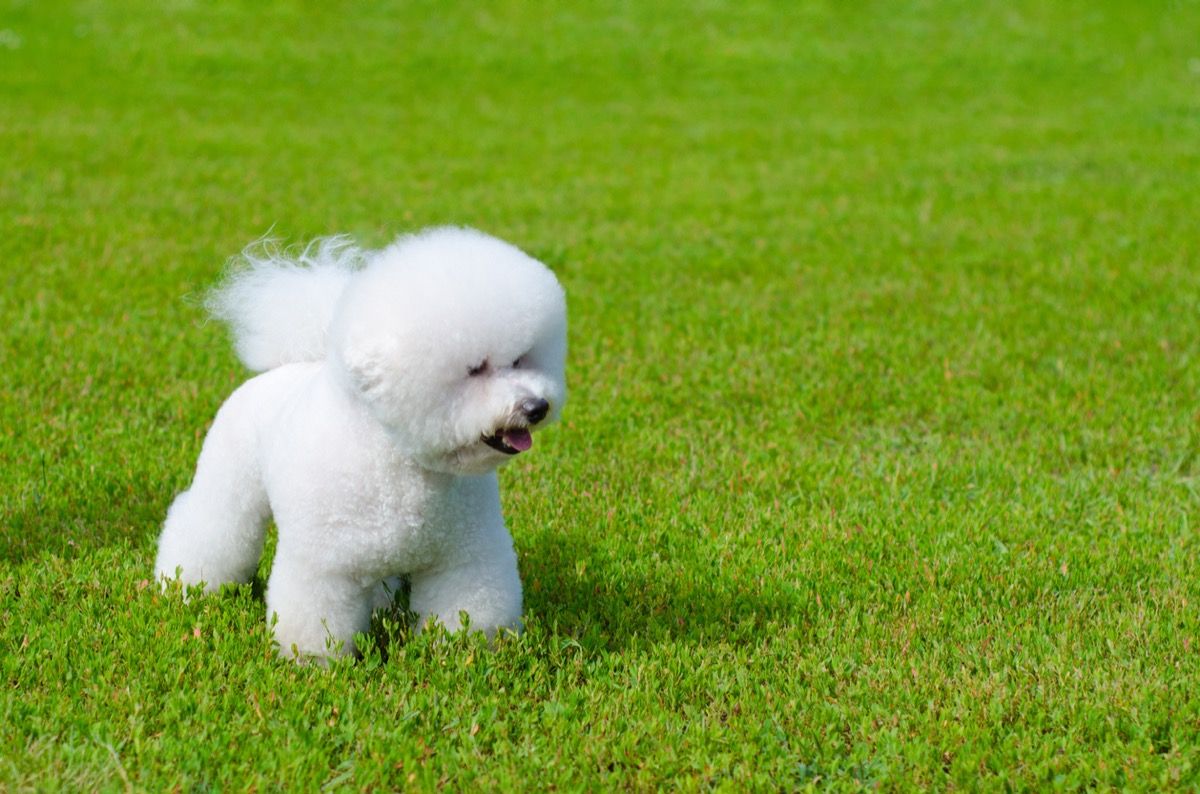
{"x": 512, "y": 440}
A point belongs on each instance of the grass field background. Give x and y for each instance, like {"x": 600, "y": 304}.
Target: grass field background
{"x": 881, "y": 461}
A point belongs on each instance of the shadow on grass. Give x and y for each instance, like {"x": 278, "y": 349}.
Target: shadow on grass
{"x": 110, "y": 512}
{"x": 607, "y": 603}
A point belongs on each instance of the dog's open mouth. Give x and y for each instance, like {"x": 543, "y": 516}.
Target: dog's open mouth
{"x": 510, "y": 441}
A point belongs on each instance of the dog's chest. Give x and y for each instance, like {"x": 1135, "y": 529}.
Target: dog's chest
{"x": 404, "y": 522}
{"x": 345, "y": 497}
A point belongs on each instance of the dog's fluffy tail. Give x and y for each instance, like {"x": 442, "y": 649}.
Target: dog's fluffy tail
{"x": 279, "y": 305}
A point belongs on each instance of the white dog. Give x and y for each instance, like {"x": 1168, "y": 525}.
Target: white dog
{"x": 394, "y": 384}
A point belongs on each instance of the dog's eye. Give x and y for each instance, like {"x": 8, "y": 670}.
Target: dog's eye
{"x": 478, "y": 369}
{"x": 517, "y": 362}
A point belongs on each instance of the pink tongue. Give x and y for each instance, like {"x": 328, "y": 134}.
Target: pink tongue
{"x": 519, "y": 440}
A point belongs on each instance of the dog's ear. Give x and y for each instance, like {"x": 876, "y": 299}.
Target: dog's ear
{"x": 363, "y": 367}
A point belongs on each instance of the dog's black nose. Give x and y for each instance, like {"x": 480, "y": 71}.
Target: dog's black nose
{"x": 535, "y": 409}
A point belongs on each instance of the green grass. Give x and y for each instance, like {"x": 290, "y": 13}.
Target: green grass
{"x": 882, "y": 456}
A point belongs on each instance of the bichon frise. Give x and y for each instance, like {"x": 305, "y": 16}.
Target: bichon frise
{"x": 394, "y": 384}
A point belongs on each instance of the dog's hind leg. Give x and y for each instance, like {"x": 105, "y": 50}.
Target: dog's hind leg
{"x": 214, "y": 530}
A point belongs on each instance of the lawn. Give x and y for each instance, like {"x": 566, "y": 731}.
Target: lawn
{"x": 883, "y": 448}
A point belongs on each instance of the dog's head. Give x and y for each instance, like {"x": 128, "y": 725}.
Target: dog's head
{"x": 456, "y": 341}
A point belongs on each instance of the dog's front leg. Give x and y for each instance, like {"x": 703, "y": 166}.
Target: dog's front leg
{"x": 485, "y": 586}
{"x": 316, "y": 613}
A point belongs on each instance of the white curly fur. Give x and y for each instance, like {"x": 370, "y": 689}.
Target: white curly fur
{"x": 396, "y": 382}
{"x": 280, "y": 306}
